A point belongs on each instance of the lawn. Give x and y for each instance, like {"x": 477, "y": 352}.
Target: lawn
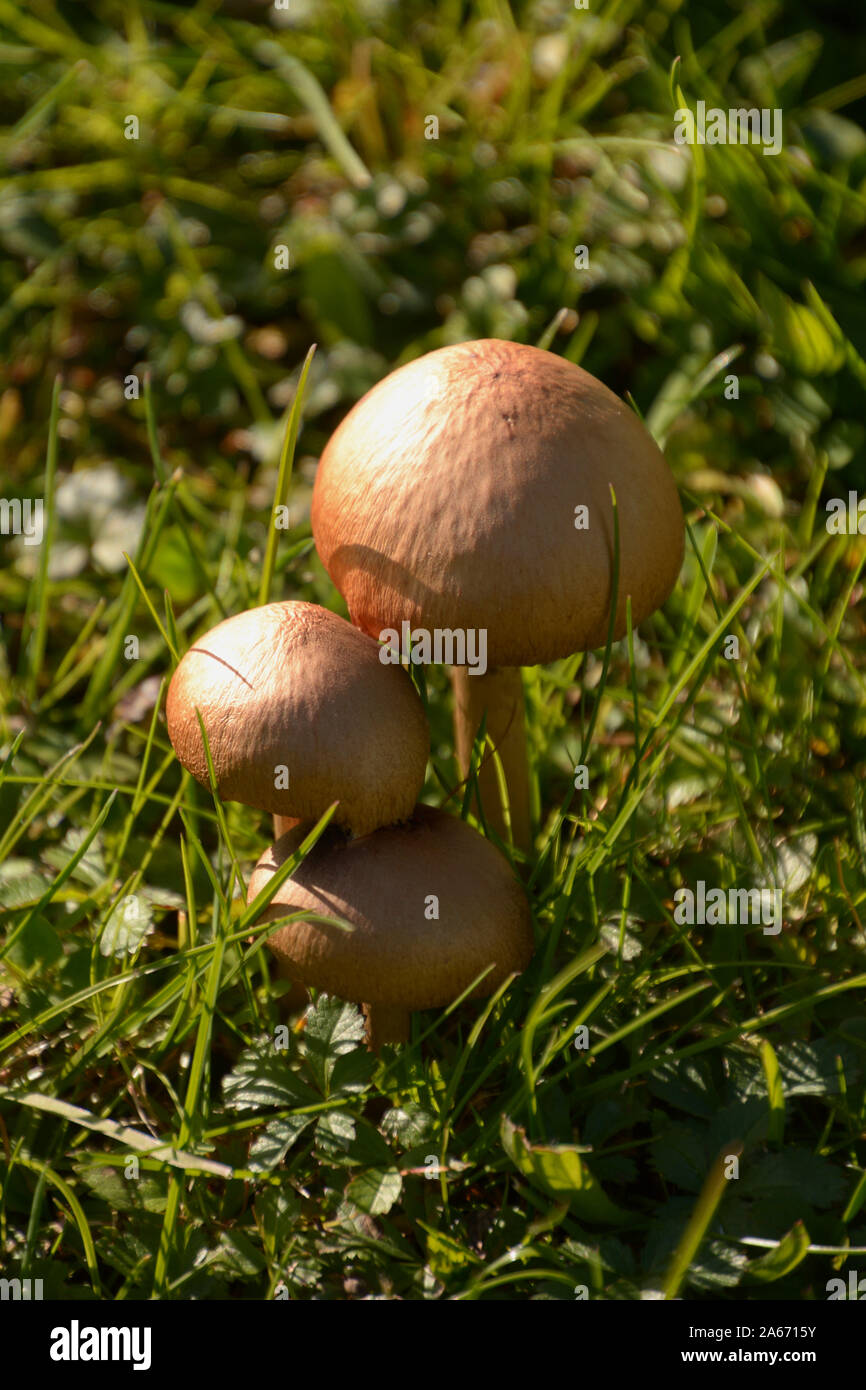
{"x": 663, "y": 1104}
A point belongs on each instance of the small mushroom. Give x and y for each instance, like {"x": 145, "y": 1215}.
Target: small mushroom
{"x": 300, "y": 712}
{"x": 449, "y": 498}
{"x": 432, "y": 905}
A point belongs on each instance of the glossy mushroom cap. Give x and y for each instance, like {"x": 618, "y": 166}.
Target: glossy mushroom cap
{"x": 447, "y": 498}
{"x": 384, "y": 886}
{"x": 294, "y": 686}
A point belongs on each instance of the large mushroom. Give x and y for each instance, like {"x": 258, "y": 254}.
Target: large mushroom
{"x": 432, "y": 906}
{"x": 300, "y": 712}
{"x": 450, "y": 498}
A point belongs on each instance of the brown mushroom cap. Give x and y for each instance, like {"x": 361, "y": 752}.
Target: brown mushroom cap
{"x": 382, "y": 884}
{"x": 294, "y": 685}
{"x": 447, "y": 498}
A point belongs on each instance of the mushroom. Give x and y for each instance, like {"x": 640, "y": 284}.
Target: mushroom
{"x": 449, "y": 498}
{"x": 432, "y": 905}
{"x": 300, "y": 712}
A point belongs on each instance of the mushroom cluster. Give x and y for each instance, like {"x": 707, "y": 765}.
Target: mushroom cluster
{"x": 477, "y": 491}
{"x": 299, "y": 713}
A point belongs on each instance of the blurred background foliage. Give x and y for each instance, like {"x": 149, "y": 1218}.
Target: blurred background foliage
{"x": 555, "y": 130}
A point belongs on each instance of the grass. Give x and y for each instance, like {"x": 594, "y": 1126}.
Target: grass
{"x": 168, "y": 1129}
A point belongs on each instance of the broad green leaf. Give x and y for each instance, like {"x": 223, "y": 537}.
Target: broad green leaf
{"x": 262, "y": 1080}
{"x": 795, "y": 1172}
{"x": 90, "y": 869}
{"x": 409, "y": 1123}
{"x": 335, "y": 1133}
{"x": 273, "y": 1143}
{"x": 126, "y": 928}
{"x": 237, "y": 1254}
{"x": 376, "y": 1190}
{"x": 679, "y": 1155}
{"x": 369, "y": 1149}
{"x": 688, "y": 1085}
{"x": 610, "y": 1254}
{"x": 784, "y": 1257}
{"x": 144, "y": 1192}
{"x": 717, "y": 1265}
{"x": 353, "y": 1072}
{"x": 560, "y": 1171}
{"x": 332, "y": 1028}
{"x": 38, "y": 942}
{"x": 22, "y": 883}
{"x": 444, "y": 1254}
{"x": 805, "y": 1068}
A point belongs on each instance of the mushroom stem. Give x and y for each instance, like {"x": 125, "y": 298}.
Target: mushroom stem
{"x": 499, "y": 694}
{"x": 282, "y": 824}
{"x": 386, "y": 1025}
